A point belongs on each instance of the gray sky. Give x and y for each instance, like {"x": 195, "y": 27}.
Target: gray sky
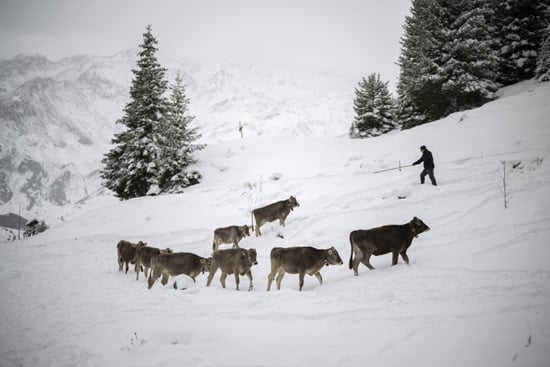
{"x": 355, "y": 37}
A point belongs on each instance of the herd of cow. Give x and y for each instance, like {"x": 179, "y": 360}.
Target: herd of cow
{"x": 293, "y": 260}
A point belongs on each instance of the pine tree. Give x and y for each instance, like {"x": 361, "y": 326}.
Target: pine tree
{"x": 131, "y": 166}
{"x": 419, "y": 88}
{"x": 468, "y": 62}
{"x": 179, "y": 145}
{"x": 373, "y": 106}
{"x": 543, "y": 61}
{"x": 518, "y": 28}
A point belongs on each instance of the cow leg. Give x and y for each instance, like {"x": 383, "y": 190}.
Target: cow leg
{"x": 280, "y": 278}
{"x": 164, "y": 279}
{"x": 155, "y": 274}
{"x": 357, "y": 260}
{"x": 235, "y": 244}
{"x": 237, "y": 279}
{"x": 366, "y": 260}
{"x": 301, "y": 277}
{"x": 137, "y": 269}
{"x": 405, "y": 257}
{"x": 258, "y": 225}
{"x": 249, "y": 274}
{"x": 126, "y": 272}
{"x": 213, "y": 270}
{"x": 270, "y": 279}
{"x": 395, "y": 256}
{"x": 222, "y": 278}
{"x": 120, "y": 264}
{"x": 319, "y": 277}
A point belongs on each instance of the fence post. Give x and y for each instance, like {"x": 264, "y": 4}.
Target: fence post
{"x": 19, "y": 223}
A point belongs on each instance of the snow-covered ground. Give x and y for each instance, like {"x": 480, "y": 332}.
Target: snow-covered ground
{"x": 477, "y": 291}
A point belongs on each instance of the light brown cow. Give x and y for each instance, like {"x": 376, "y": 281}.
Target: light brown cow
{"x": 231, "y": 234}
{"x": 272, "y": 212}
{"x": 175, "y": 264}
{"x": 233, "y": 261}
{"x": 302, "y": 261}
{"x": 126, "y": 253}
{"x": 144, "y": 256}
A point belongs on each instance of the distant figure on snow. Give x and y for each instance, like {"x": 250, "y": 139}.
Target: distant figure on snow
{"x": 429, "y": 166}
{"x": 241, "y": 129}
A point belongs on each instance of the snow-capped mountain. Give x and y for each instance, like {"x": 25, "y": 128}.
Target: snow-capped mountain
{"x": 57, "y": 117}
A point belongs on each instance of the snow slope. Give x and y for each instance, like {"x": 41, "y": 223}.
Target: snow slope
{"x": 477, "y": 291}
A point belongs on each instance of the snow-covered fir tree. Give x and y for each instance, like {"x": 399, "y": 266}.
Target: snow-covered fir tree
{"x": 419, "y": 88}
{"x": 456, "y": 53}
{"x": 140, "y": 161}
{"x": 518, "y": 31}
{"x": 468, "y": 63}
{"x": 373, "y": 106}
{"x": 543, "y": 61}
{"x": 180, "y": 144}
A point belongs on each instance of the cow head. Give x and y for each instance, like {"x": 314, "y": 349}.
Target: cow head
{"x": 292, "y": 203}
{"x": 139, "y": 244}
{"x": 245, "y": 230}
{"x": 333, "y": 257}
{"x": 166, "y": 251}
{"x": 252, "y": 255}
{"x": 205, "y": 264}
{"x": 418, "y": 226}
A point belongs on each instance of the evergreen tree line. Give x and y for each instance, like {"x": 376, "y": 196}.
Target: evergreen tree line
{"x": 155, "y": 150}
{"x": 455, "y": 54}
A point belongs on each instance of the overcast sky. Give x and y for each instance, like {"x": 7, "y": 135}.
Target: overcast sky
{"x": 357, "y": 37}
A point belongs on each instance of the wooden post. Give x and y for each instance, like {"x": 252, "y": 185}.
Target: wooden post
{"x": 19, "y": 223}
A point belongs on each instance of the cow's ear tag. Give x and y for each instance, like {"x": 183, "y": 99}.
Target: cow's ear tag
{"x": 330, "y": 252}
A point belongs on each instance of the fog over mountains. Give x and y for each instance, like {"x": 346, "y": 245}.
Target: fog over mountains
{"x": 57, "y": 117}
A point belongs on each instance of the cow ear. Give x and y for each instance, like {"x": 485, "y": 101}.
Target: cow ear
{"x": 203, "y": 261}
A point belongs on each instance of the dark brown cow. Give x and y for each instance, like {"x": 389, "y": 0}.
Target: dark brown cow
{"x": 395, "y": 238}
{"x": 231, "y": 234}
{"x": 175, "y": 264}
{"x": 302, "y": 261}
{"x": 233, "y": 261}
{"x": 272, "y": 212}
{"x": 144, "y": 256}
{"x": 126, "y": 253}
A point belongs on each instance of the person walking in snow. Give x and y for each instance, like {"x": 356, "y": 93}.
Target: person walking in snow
{"x": 429, "y": 166}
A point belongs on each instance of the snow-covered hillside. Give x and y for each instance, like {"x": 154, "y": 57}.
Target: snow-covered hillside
{"x": 477, "y": 291}
{"x": 57, "y": 118}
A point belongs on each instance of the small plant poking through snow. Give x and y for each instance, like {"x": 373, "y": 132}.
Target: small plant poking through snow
{"x": 507, "y": 167}
{"x": 504, "y": 188}
{"x": 134, "y": 341}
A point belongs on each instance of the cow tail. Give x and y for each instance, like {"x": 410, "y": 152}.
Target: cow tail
{"x": 351, "y": 252}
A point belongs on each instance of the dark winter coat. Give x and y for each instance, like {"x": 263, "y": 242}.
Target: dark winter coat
{"x": 427, "y": 158}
